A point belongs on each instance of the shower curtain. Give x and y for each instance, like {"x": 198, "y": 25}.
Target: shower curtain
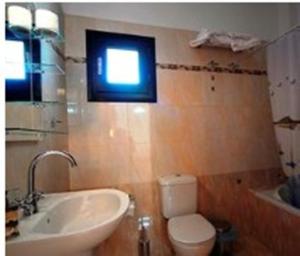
{"x": 283, "y": 63}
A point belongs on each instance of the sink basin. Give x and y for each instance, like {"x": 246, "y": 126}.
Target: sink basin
{"x": 71, "y": 223}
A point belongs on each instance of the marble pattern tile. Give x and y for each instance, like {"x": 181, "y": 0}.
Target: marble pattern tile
{"x": 227, "y": 196}
{"x": 18, "y": 157}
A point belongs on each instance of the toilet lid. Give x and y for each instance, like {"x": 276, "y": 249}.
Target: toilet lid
{"x": 192, "y": 228}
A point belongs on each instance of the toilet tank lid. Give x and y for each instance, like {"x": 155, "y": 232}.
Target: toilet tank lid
{"x": 175, "y": 179}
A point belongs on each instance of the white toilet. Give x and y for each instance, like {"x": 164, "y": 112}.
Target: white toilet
{"x": 189, "y": 232}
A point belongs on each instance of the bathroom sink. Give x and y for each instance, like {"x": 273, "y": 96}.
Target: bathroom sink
{"x": 71, "y": 223}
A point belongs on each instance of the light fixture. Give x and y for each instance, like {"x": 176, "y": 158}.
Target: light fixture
{"x": 46, "y": 22}
{"x": 19, "y": 18}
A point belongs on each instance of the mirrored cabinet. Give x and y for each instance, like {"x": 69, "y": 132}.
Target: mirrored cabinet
{"x": 34, "y": 73}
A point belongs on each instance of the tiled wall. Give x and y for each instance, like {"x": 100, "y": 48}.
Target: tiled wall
{"x": 227, "y": 196}
{"x": 205, "y": 123}
{"x": 211, "y": 124}
{"x": 52, "y": 174}
{"x": 215, "y": 109}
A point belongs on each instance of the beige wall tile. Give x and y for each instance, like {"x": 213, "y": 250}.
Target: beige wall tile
{"x": 139, "y": 122}
{"x": 204, "y": 123}
{"x": 166, "y": 91}
{"x": 52, "y": 175}
{"x": 213, "y": 125}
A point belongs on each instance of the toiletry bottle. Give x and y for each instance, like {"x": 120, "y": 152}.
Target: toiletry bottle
{"x": 11, "y": 218}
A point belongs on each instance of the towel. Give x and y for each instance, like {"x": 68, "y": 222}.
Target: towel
{"x": 236, "y": 41}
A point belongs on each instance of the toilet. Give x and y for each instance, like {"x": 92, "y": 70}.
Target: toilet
{"x": 189, "y": 232}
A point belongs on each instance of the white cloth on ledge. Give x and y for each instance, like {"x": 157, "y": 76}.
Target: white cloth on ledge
{"x": 235, "y": 41}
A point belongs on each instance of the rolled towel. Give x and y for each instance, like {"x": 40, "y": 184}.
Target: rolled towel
{"x": 235, "y": 41}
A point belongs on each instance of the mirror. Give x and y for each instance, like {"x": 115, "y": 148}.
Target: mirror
{"x": 36, "y": 117}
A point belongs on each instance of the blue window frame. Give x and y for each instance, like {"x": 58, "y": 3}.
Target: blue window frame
{"x": 120, "y": 67}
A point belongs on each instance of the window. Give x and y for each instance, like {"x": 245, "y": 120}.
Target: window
{"x": 14, "y": 60}
{"x": 120, "y": 67}
{"x": 20, "y": 85}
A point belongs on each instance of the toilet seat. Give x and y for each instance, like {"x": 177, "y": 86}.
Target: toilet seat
{"x": 190, "y": 229}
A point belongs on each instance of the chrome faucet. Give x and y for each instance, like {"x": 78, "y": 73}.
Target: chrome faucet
{"x": 30, "y": 203}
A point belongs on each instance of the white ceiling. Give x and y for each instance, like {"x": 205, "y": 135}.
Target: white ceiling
{"x": 261, "y": 19}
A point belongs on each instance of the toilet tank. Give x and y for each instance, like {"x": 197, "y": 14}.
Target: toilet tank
{"x": 178, "y": 195}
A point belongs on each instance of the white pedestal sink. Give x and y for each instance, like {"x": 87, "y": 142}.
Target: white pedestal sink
{"x": 69, "y": 224}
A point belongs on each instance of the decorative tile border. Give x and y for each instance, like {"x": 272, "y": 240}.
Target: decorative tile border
{"x": 212, "y": 66}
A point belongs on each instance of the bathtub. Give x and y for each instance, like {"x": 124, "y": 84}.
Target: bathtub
{"x": 273, "y": 196}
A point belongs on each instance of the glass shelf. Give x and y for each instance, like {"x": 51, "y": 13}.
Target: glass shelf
{"x": 46, "y": 36}
{"x": 34, "y": 32}
{"x": 26, "y": 131}
{"x": 27, "y": 135}
{"x": 40, "y": 68}
{"x": 44, "y": 68}
{"x": 58, "y": 38}
{"x": 37, "y": 103}
{"x": 22, "y": 136}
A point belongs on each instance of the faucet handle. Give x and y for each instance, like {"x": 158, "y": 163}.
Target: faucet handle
{"x": 25, "y": 205}
{"x": 37, "y": 195}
